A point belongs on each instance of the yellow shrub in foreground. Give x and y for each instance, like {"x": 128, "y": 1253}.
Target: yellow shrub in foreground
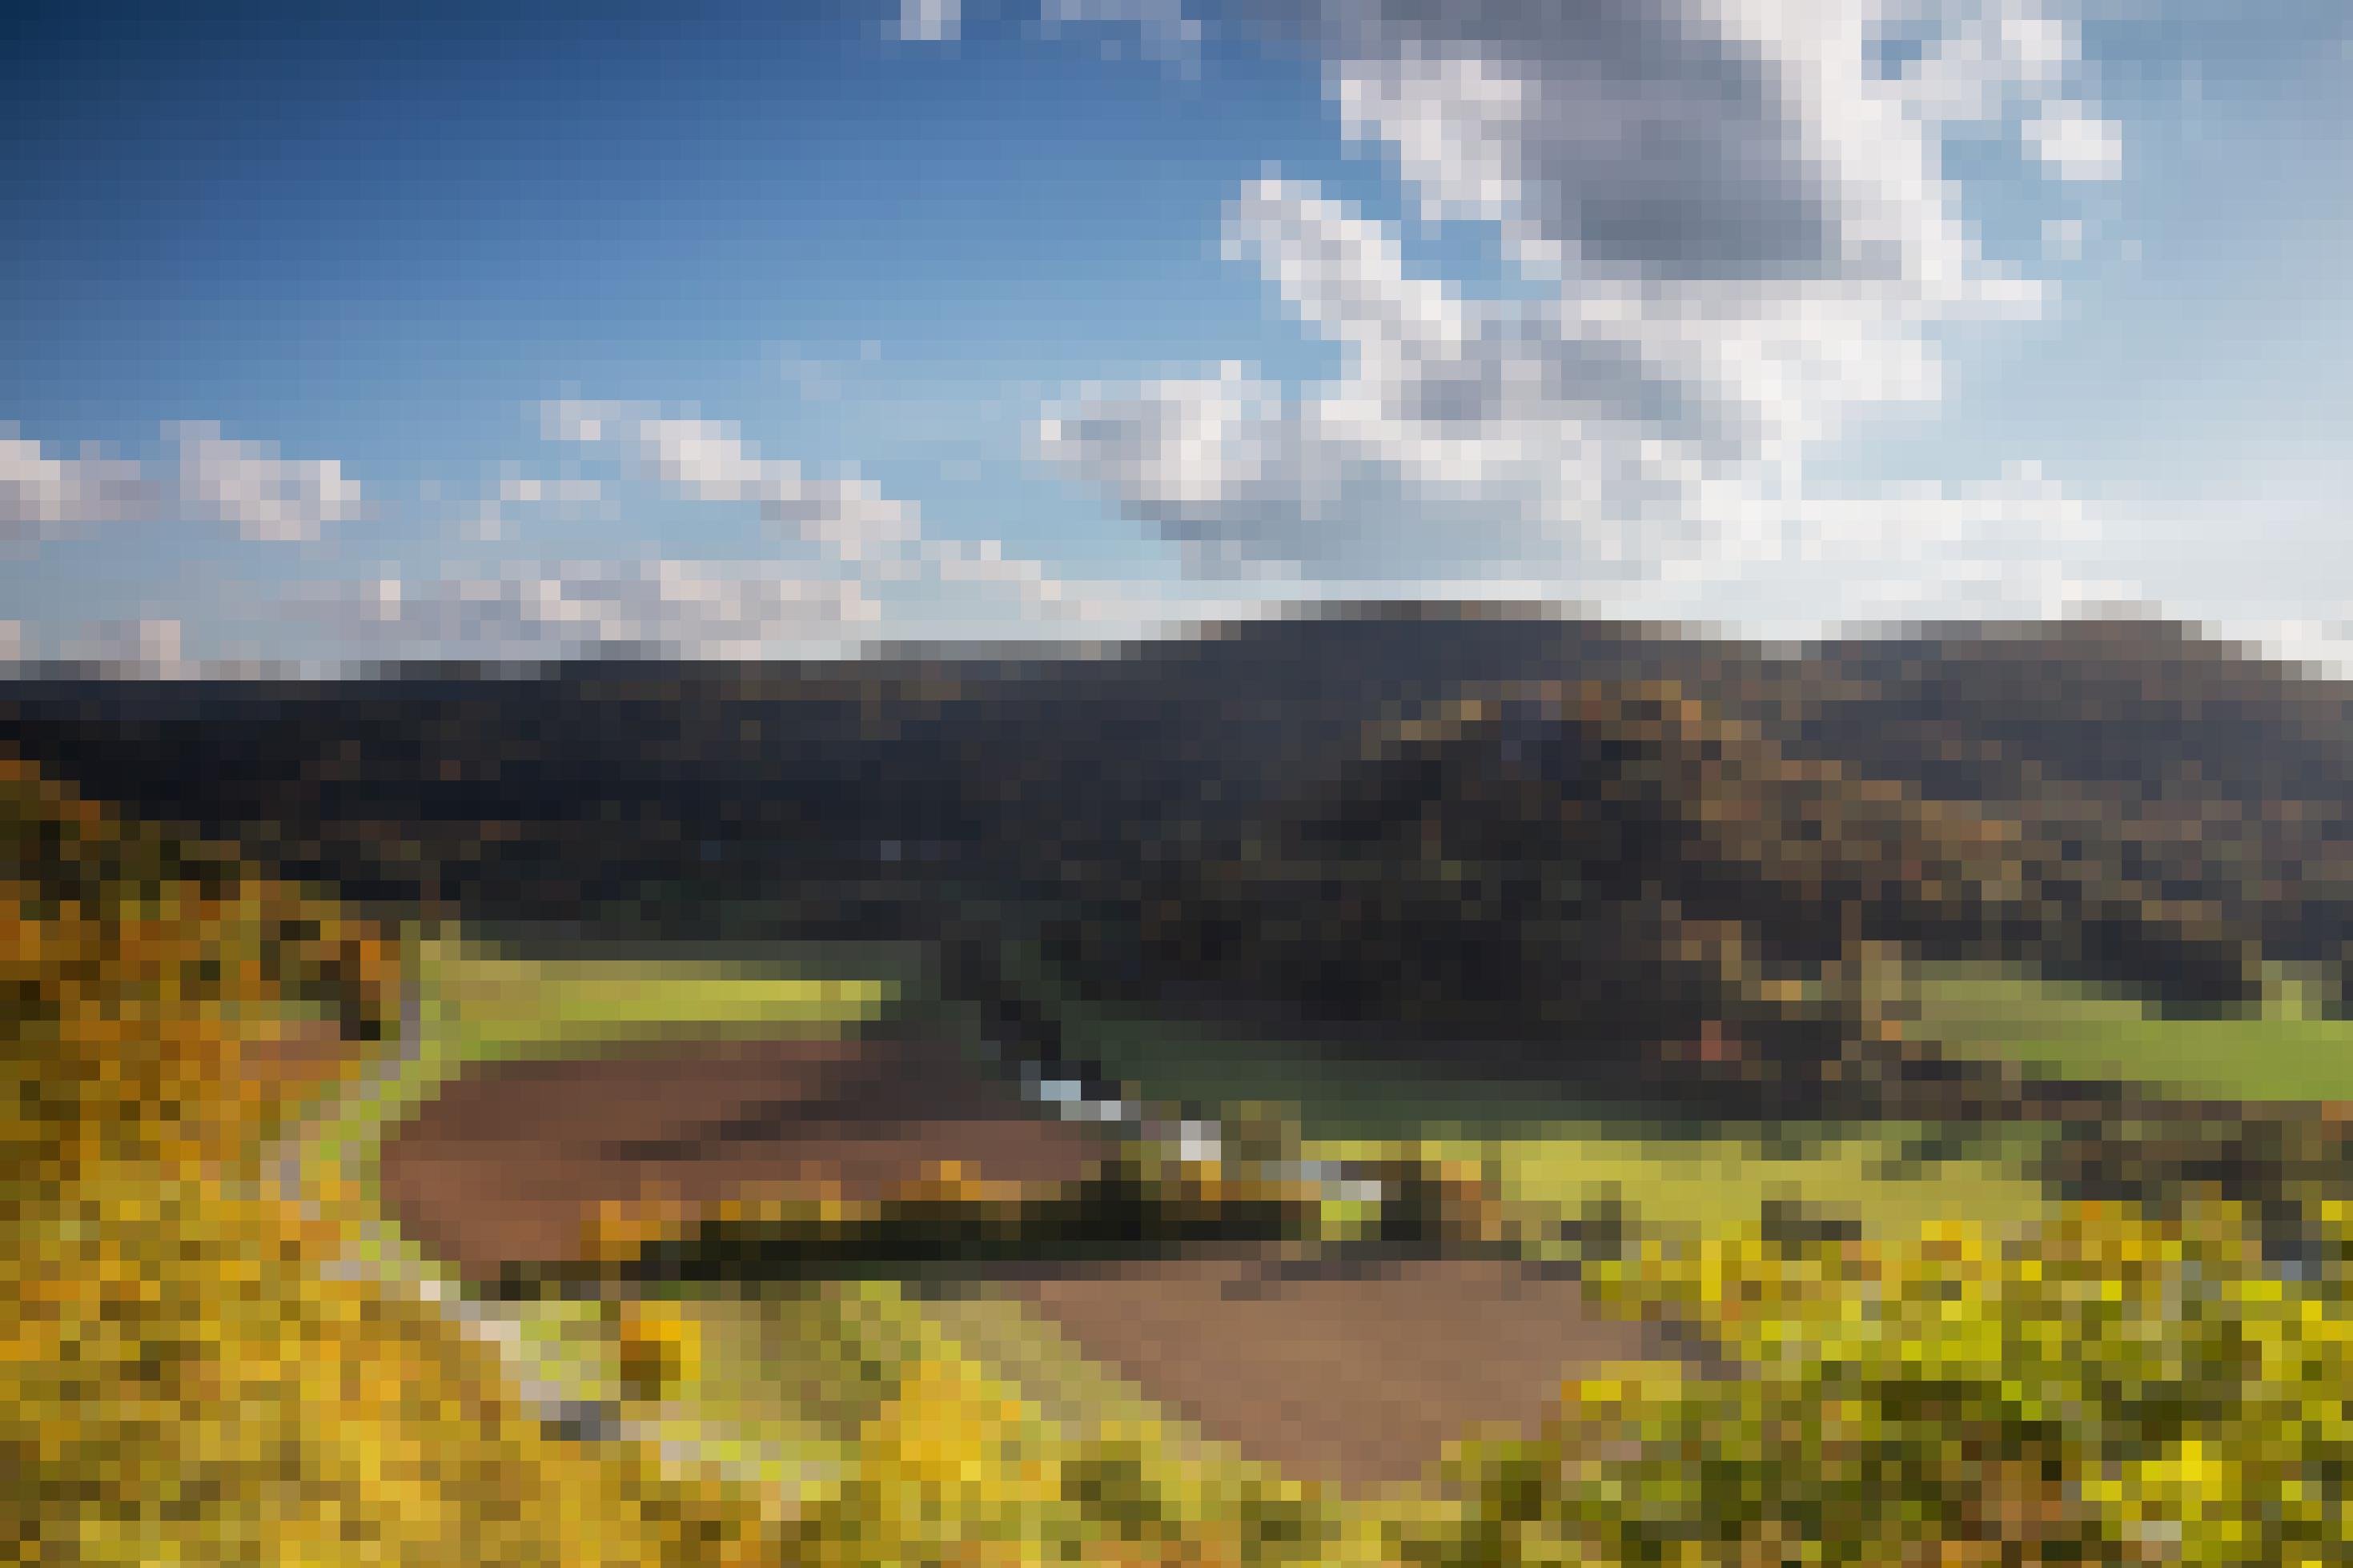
{"x": 2105, "y": 1387}
{"x": 181, "y": 1383}
{"x": 184, "y": 1374}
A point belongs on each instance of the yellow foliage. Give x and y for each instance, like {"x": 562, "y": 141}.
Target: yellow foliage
{"x": 660, "y": 1349}
{"x": 151, "y": 980}
{"x": 186, "y": 1371}
{"x": 183, "y": 1380}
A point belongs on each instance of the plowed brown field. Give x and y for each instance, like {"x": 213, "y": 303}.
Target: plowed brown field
{"x": 509, "y": 1163}
{"x": 1354, "y": 1374}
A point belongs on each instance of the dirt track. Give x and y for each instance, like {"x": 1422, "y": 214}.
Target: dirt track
{"x": 296, "y": 1060}
{"x": 509, "y": 1163}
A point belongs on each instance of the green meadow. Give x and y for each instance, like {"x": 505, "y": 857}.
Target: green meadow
{"x": 2285, "y": 1051}
{"x": 477, "y": 1003}
{"x": 794, "y": 1383}
{"x": 1552, "y": 1158}
{"x": 790, "y": 1380}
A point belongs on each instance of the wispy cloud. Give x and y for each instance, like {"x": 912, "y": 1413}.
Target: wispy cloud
{"x": 244, "y": 484}
{"x": 2077, "y": 146}
{"x": 692, "y": 609}
{"x": 147, "y": 649}
{"x": 930, "y": 21}
{"x": 708, "y": 460}
{"x": 516, "y": 490}
{"x": 1161, "y": 27}
{"x": 248, "y": 486}
{"x": 42, "y": 495}
{"x": 818, "y": 378}
{"x": 2007, "y": 548}
{"x": 879, "y": 540}
{"x": 868, "y": 573}
{"x": 518, "y": 496}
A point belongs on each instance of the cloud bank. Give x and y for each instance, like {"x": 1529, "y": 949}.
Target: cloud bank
{"x": 683, "y": 609}
{"x": 865, "y": 556}
{"x": 1732, "y": 238}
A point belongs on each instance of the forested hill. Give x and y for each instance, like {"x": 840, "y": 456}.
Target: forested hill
{"x": 645, "y": 791}
{"x": 860, "y": 796}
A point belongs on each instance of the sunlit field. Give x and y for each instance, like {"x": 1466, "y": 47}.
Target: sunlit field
{"x": 2285, "y": 1051}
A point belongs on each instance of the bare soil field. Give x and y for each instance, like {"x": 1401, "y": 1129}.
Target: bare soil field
{"x": 509, "y": 1162}
{"x": 1354, "y": 1376}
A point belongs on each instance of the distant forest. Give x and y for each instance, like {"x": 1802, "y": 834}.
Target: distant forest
{"x": 1428, "y": 821}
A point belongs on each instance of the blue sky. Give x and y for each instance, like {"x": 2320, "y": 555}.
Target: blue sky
{"x": 1010, "y": 286}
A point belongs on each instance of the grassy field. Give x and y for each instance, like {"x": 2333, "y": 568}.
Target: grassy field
{"x": 790, "y": 1386}
{"x": 478, "y": 1005}
{"x": 1551, "y": 1157}
{"x": 2287, "y": 1052}
{"x": 1693, "y": 1186}
{"x": 1174, "y": 1062}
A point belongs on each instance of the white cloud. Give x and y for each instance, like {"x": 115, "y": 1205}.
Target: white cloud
{"x": 930, "y": 21}
{"x": 148, "y": 649}
{"x": 1738, "y": 235}
{"x": 871, "y": 558}
{"x": 2076, "y": 145}
{"x": 244, "y": 484}
{"x": 2005, "y": 547}
{"x": 2062, "y": 239}
{"x": 515, "y": 490}
{"x": 42, "y": 495}
{"x": 879, "y": 540}
{"x": 492, "y": 516}
{"x": 708, "y": 460}
{"x": 692, "y": 609}
{"x": 247, "y": 485}
{"x": 2322, "y": 647}
{"x": 1161, "y": 27}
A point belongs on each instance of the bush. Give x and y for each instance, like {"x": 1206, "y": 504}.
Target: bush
{"x": 2105, "y": 1387}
